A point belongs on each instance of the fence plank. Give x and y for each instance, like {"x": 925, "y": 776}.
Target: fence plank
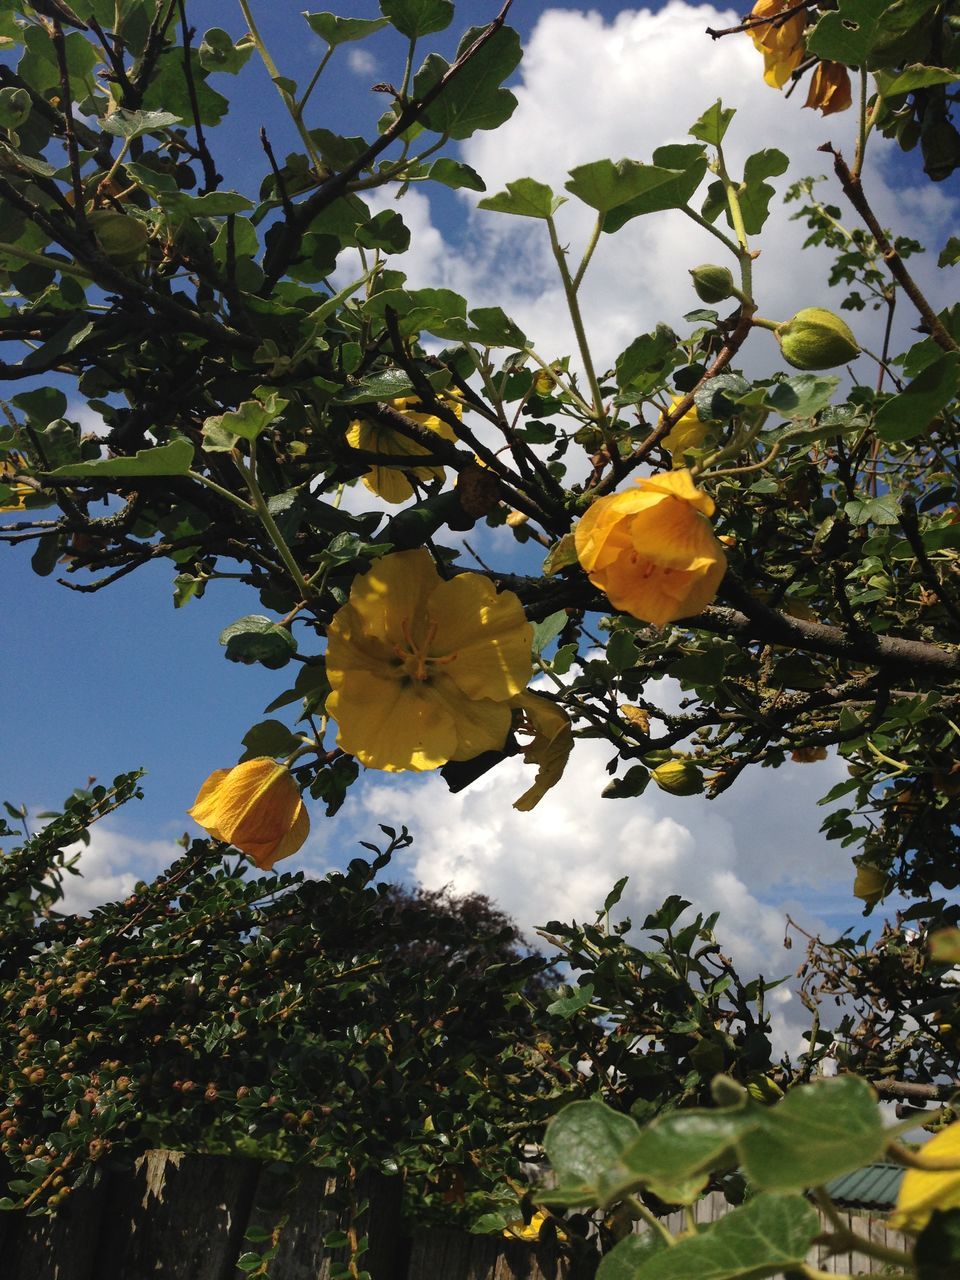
{"x": 176, "y": 1215}
{"x": 61, "y": 1247}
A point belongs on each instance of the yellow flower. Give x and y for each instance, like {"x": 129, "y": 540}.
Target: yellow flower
{"x": 780, "y": 43}
{"x": 921, "y": 1191}
{"x": 652, "y": 550}
{"x": 255, "y": 806}
{"x": 521, "y": 1230}
{"x": 391, "y": 482}
{"x": 549, "y": 748}
{"x": 423, "y": 670}
{"x": 19, "y": 493}
{"x": 686, "y": 433}
{"x": 829, "y": 88}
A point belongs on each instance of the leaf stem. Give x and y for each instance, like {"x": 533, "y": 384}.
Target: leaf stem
{"x": 249, "y": 473}
{"x": 598, "y": 413}
{"x": 640, "y": 1210}
{"x": 286, "y": 97}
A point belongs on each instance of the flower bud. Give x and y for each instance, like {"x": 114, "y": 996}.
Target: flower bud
{"x": 711, "y": 283}
{"x": 679, "y": 777}
{"x": 816, "y": 339}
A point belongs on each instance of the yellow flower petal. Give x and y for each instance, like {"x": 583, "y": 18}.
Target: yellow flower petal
{"x": 921, "y": 1191}
{"x": 782, "y": 44}
{"x": 549, "y": 749}
{"x": 421, "y": 669}
{"x": 392, "y": 724}
{"x": 486, "y": 635}
{"x": 686, "y": 433}
{"x": 257, "y": 807}
{"x": 391, "y": 482}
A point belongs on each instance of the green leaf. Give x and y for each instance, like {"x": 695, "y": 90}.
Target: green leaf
{"x": 713, "y": 124}
{"x": 669, "y": 183}
{"x": 567, "y": 1006}
{"x": 882, "y": 510}
{"x": 525, "y": 197}
{"x": 15, "y": 107}
{"x": 937, "y": 1252}
{"x": 861, "y": 33}
{"x": 950, "y": 253}
{"x": 336, "y": 30}
{"x": 456, "y": 174}
{"x": 768, "y": 1235}
{"x": 415, "y": 18}
{"x": 633, "y": 783}
{"x": 802, "y": 395}
{"x": 493, "y": 328}
{"x": 816, "y": 1133}
{"x": 245, "y": 423}
{"x": 474, "y": 99}
{"x": 255, "y": 638}
{"x": 622, "y": 651}
{"x": 674, "y": 1154}
{"x": 584, "y": 1145}
{"x": 911, "y": 412}
{"x": 269, "y": 738}
{"x": 547, "y": 630}
{"x": 622, "y": 1262}
{"x": 755, "y": 193}
{"x": 389, "y": 384}
{"x": 604, "y": 185}
{"x": 131, "y": 124}
{"x": 173, "y": 459}
{"x": 387, "y": 231}
{"x": 648, "y": 359}
{"x": 219, "y": 53}
{"x": 917, "y": 76}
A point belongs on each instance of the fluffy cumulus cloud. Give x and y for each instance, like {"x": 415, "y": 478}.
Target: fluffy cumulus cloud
{"x": 110, "y": 865}
{"x": 594, "y": 87}
{"x": 739, "y": 855}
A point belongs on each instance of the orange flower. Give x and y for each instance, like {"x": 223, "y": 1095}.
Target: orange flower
{"x": 256, "y": 807}
{"x": 651, "y": 550}
{"x": 781, "y": 43}
{"x": 829, "y": 88}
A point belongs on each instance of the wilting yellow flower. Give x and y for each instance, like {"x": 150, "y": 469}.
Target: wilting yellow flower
{"x": 686, "y": 433}
{"x": 255, "y": 806}
{"x": 781, "y": 43}
{"x": 549, "y": 748}
{"x": 921, "y": 1191}
{"x": 829, "y": 88}
{"x": 391, "y": 482}
{"x": 651, "y": 550}
{"x": 870, "y": 884}
{"x": 423, "y": 670}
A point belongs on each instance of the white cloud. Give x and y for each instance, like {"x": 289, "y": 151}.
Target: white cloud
{"x": 110, "y": 865}
{"x": 593, "y": 88}
{"x": 361, "y": 62}
{"x": 735, "y": 855}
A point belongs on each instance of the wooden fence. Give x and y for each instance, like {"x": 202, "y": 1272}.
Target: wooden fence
{"x": 185, "y": 1217}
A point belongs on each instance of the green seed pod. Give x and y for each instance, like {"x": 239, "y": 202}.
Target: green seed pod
{"x": 711, "y": 283}
{"x": 816, "y": 339}
{"x": 679, "y": 777}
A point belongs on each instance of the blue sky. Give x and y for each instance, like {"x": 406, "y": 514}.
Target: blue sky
{"x": 97, "y": 684}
